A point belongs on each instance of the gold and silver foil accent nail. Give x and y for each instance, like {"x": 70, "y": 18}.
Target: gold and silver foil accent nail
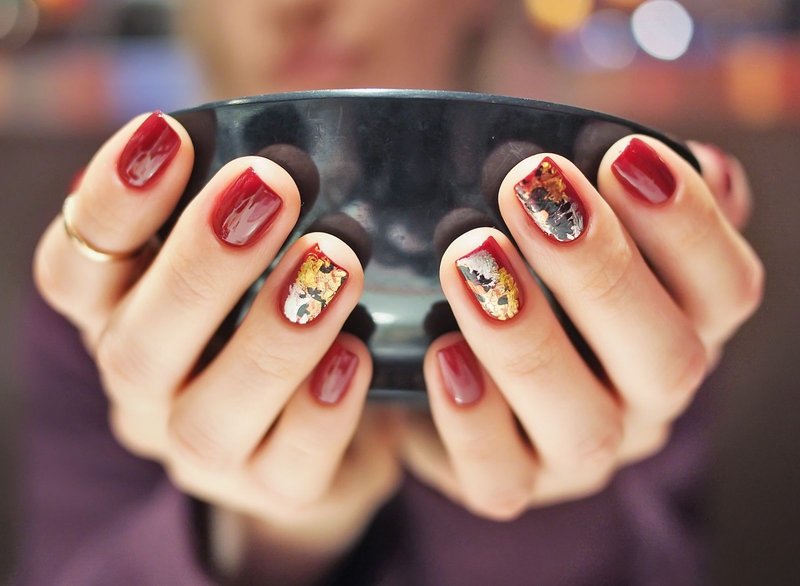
{"x": 551, "y": 202}
{"x": 486, "y": 273}
{"x": 317, "y": 281}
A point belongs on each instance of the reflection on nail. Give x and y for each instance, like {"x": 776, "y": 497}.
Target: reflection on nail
{"x": 317, "y": 281}
{"x": 551, "y": 202}
{"x": 487, "y": 273}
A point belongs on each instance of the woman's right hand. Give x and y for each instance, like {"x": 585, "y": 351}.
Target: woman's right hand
{"x": 267, "y": 430}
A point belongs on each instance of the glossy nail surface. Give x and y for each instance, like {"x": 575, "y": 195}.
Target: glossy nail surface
{"x": 245, "y": 210}
{"x": 461, "y": 374}
{"x": 332, "y": 376}
{"x": 552, "y": 202}
{"x": 487, "y": 273}
{"x": 317, "y": 281}
{"x": 148, "y": 152}
{"x": 643, "y": 173}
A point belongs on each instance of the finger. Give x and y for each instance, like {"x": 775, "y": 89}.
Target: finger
{"x": 646, "y": 345}
{"x": 494, "y": 465}
{"x": 710, "y": 270}
{"x": 569, "y": 416}
{"x": 301, "y": 455}
{"x": 725, "y": 178}
{"x": 158, "y": 333}
{"x": 223, "y": 414}
{"x": 127, "y": 192}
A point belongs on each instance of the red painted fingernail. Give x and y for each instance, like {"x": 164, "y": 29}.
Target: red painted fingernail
{"x": 461, "y": 374}
{"x": 148, "y": 152}
{"x": 552, "y": 202}
{"x": 332, "y": 376}
{"x": 643, "y": 173}
{"x": 245, "y": 210}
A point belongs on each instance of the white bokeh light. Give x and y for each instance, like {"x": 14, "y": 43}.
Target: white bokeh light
{"x": 663, "y": 28}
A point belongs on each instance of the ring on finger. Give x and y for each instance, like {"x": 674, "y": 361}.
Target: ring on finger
{"x": 88, "y": 250}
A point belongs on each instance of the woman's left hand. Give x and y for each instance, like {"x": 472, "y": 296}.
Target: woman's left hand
{"x": 656, "y": 326}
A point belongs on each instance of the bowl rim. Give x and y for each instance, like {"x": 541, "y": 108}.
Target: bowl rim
{"x": 446, "y": 95}
{"x": 415, "y": 94}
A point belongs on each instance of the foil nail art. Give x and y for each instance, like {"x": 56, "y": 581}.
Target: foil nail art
{"x": 551, "y": 201}
{"x": 317, "y": 281}
{"x": 485, "y": 272}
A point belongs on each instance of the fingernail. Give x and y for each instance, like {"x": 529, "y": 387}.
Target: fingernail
{"x": 317, "y": 281}
{"x": 552, "y": 202}
{"x": 148, "y": 152}
{"x": 461, "y": 374}
{"x": 245, "y": 210}
{"x": 725, "y": 163}
{"x": 643, "y": 173}
{"x": 487, "y": 274}
{"x": 332, "y": 376}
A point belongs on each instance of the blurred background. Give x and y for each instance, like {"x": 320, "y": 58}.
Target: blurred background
{"x": 722, "y": 71}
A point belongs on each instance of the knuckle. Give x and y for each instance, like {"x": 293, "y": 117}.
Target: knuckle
{"x": 197, "y": 444}
{"x": 121, "y": 366}
{"x": 751, "y": 288}
{"x": 705, "y": 222}
{"x": 264, "y": 359}
{"x": 125, "y": 432}
{"x": 606, "y": 278}
{"x": 189, "y": 280}
{"x": 499, "y": 503}
{"x": 529, "y": 358}
{"x": 692, "y": 361}
{"x": 597, "y": 453}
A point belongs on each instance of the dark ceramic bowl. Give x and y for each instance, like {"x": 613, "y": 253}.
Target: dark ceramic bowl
{"x": 397, "y": 174}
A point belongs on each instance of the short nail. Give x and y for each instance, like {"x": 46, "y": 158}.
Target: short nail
{"x": 461, "y": 374}
{"x": 317, "y": 281}
{"x": 643, "y": 173}
{"x": 487, "y": 273}
{"x": 552, "y": 202}
{"x": 332, "y": 376}
{"x": 245, "y": 210}
{"x": 148, "y": 152}
{"x": 725, "y": 163}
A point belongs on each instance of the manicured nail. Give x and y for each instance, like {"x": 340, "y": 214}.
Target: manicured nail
{"x": 245, "y": 210}
{"x": 461, "y": 374}
{"x": 148, "y": 152}
{"x": 332, "y": 376}
{"x": 643, "y": 173}
{"x": 317, "y": 281}
{"x": 725, "y": 163}
{"x": 552, "y": 202}
{"x": 487, "y": 273}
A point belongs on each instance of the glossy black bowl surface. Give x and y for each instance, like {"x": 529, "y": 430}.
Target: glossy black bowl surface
{"x": 398, "y": 174}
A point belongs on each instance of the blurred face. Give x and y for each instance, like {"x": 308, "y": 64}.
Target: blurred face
{"x": 260, "y": 46}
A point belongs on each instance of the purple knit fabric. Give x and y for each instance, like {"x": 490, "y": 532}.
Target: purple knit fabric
{"x": 96, "y": 515}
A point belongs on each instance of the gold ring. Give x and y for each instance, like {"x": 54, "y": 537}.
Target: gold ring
{"x": 86, "y": 249}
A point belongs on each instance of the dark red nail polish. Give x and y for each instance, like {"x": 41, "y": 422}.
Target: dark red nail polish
{"x": 643, "y": 173}
{"x": 461, "y": 374}
{"x": 332, "y": 376}
{"x": 245, "y": 210}
{"x": 148, "y": 152}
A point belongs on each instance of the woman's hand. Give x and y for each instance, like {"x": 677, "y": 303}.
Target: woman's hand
{"x": 258, "y": 431}
{"x": 656, "y": 326}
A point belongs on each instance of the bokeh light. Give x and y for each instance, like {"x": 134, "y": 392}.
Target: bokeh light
{"x": 663, "y": 28}
{"x": 559, "y": 15}
{"x": 607, "y": 40}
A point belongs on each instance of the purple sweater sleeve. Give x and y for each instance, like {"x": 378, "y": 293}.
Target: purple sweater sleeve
{"x": 96, "y": 515}
{"x": 93, "y": 514}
